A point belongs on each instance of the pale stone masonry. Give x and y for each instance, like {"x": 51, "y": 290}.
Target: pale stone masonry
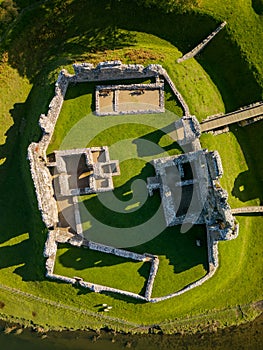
{"x": 84, "y": 171}
{"x": 193, "y": 178}
{"x": 129, "y": 99}
{"x": 196, "y": 170}
{"x": 55, "y": 237}
{"x": 200, "y": 46}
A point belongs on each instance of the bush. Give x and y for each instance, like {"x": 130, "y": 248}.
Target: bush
{"x": 8, "y": 12}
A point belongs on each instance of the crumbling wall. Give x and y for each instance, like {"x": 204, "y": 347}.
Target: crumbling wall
{"x": 200, "y": 46}
{"x": 43, "y": 186}
{"x": 62, "y": 236}
{"x": 188, "y": 133}
{"x": 115, "y": 70}
{"x": 117, "y": 110}
{"x": 151, "y": 278}
{"x": 43, "y": 181}
{"x": 47, "y": 122}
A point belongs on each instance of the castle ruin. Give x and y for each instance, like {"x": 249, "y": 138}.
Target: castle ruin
{"x": 71, "y": 173}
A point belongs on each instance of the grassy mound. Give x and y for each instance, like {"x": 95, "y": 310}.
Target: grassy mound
{"x": 226, "y": 75}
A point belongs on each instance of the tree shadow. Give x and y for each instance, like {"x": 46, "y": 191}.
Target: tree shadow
{"x": 244, "y": 186}
{"x": 58, "y": 29}
{"x": 99, "y": 39}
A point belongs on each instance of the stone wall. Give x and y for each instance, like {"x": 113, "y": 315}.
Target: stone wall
{"x": 47, "y": 122}
{"x": 61, "y": 236}
{"x": 77, "y": 216}
{"x": 119, "y": 252}
{"x": 43, "y": 181}
{"x": 200, "y": 46}
{"x": 37, "y": 155}
{"x": 132, "y": 87}
{"x": 176, "y": 92}
{"x": 115, "y": 70}
{"x": 43, "y": 186}
{"x": 188, "y": 132}
{"x": 151, "y": 278}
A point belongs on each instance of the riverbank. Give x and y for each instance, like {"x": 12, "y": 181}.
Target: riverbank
{"x": 199, "y": 324}
{"x": 245, "y": 336}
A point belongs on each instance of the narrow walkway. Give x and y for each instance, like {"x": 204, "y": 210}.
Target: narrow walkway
{"x": 200, "y": 46}
{"x": 253, "y": 111}
{"x": 244, "y": 210}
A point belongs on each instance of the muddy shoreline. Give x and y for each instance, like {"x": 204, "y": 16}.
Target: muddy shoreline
{"x": 245, "y": 336}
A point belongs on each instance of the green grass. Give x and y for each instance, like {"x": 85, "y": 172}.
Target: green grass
{"x": 243, "y": 172}
{"x": 181, "y": 263}
{"x": 226, "y": 75}
{"x": 101, "y": 268}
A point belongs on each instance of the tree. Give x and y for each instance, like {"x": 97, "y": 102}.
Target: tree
{"x": 8, "y": 12}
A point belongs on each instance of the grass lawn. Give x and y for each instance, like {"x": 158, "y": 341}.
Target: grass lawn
{"x": 226, "y": 75}
{"x": 181, "y": 263}
{"x": 101, "y": 268}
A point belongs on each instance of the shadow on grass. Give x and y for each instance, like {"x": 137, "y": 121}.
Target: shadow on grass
{"x": 258, "y": 6}
{"x": 81, "y": 259}
{"x": 125, "y": 298}
{"x": 80, "y": 89}
{"x": 223, "y": 61}
{"x": 18, "y": 205}
{"x": 81, "y": 27}
{"x": 180, "y": 249}
{"x": 244, "y": 186}
{"x": 249, "y": 184}
{"x": 172, "y": 104}
{"x": 152, "y": 147}
{"x": 73, "y": 28}
{"x": 99, "y": 39}
{"x": 128, "y": 219}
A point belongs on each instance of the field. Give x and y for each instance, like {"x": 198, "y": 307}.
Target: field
{"x": 226, "y": 75}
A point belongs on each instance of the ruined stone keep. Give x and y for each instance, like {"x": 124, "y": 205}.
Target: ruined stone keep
{"x": 190, "y": 180}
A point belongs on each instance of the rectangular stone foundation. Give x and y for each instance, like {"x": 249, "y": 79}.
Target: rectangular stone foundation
{"x": 129, "y": 99}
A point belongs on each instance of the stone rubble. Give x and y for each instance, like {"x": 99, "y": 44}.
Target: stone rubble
{"x": 217, "y": 214}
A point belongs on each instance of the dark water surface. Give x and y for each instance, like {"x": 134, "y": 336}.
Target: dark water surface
{"x": 247, "y": 336}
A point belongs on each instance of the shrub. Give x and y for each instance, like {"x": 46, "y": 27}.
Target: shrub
{"x": 8, "y": 12}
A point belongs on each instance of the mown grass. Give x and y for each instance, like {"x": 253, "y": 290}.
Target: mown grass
{"x": 232, "y": 78}
{"x": 101, "y": 268}
{"x": 181, "y": 263}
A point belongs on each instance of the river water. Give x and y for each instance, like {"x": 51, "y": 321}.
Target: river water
{"x": 247, "y": 336}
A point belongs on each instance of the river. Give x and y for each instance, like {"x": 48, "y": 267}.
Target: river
{"x": 246, "y": 336}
